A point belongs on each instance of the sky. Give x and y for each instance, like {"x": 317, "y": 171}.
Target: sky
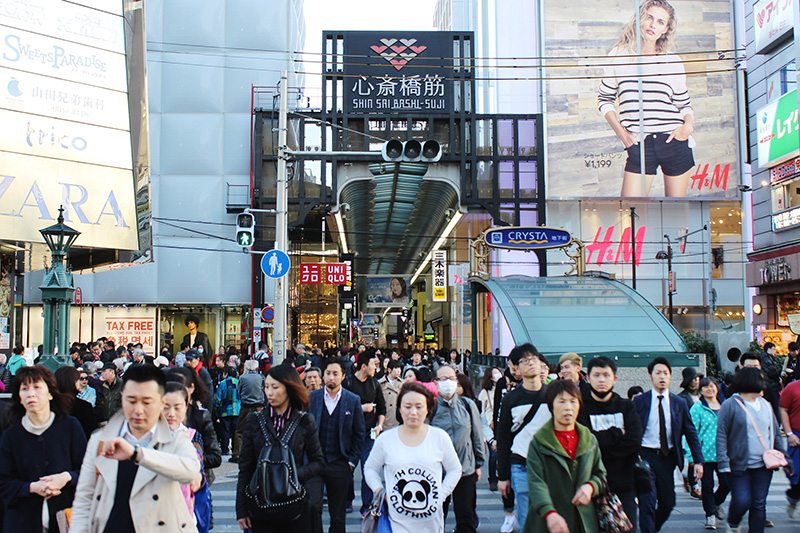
{"x": 343, "y": 15}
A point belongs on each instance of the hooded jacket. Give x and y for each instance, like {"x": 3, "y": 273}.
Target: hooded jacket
{"x": 705, "y": 421}
{"x": 553, "y": 479}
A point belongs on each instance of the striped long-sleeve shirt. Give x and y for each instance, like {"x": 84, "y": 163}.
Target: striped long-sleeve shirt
{"x": 665, "y": 96}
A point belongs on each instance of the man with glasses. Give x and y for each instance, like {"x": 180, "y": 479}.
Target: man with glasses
{"x": 459, "y": 418}
{"x": 523, "y": 413}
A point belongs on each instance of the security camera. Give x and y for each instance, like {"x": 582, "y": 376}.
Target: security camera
{"x": 344, "y": 207}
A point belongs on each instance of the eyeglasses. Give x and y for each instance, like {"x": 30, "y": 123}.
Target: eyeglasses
{"x": 528, "y": 360}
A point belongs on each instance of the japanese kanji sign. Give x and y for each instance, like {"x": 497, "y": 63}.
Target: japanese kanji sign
{"x": 309, "y": 273}
{"x": 388, "y": 72}
{"x": 439, "y": 272}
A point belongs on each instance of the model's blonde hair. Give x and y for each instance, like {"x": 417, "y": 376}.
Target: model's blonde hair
{"x": 665, "y": 43}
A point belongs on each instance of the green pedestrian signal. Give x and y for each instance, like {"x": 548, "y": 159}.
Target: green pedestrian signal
{"x": 245, "y": 227}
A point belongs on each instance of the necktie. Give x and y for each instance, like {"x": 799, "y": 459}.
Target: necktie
{"x": 662, "y": 427}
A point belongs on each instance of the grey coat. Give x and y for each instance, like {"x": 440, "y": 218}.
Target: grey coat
{"x": 732, "y": 427}
{"x": 459, "y": 417}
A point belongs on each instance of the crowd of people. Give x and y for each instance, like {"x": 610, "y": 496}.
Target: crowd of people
{"x": 122, "y": 441}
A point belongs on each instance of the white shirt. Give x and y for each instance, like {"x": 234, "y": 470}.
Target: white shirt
{"x": 125, "y": 433}
{"x": 332, "y": 401}
{"x": 650, "y": 438}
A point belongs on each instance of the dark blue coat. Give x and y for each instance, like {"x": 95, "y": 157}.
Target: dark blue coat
{"x": 682, "y": 425}
{"x": 351, "y": 422}
{"x": 25, "y": 457}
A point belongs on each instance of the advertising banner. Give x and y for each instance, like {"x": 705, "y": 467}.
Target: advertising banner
{"x": 773, "y": 20}
{"x": 439, "y": 272}
{"x": 389, "y": 72}
{"x": 122, "y": 327}
{"x": 604, "y": 100}
{"x": 389, "y": 291}
{"x": 778, "y": 135}
{"x": 66, "y": 123}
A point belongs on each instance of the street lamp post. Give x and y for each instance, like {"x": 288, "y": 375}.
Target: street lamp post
{"x": 671, "y": 279}
{"x": 57, "y": 289}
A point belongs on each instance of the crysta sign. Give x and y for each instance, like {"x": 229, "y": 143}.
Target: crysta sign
{"x": 527, "y": 238}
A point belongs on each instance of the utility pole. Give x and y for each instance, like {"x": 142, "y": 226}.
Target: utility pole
{"x": 281, "y": 223}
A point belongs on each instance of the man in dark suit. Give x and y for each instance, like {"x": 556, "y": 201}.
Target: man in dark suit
{"x": 665, "y": 419}
{"x": 197, "y": 338}
{"x": 341, "y": 434}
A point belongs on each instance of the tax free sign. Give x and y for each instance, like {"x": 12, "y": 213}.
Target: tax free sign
{"x": 778, "y": 131}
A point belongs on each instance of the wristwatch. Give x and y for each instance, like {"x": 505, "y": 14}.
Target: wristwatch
{"x": 136, "y": 449}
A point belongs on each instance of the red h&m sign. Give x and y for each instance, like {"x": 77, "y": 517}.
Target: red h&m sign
{"x": 336, "y": 273}
{"x": 309, "y": 273}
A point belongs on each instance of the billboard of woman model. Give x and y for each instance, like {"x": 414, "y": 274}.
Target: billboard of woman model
{"x": 617, "y": 91}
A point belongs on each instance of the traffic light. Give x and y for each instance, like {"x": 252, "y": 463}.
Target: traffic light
{"x": 245, "y": 226}
{"x": 413, "y": 150}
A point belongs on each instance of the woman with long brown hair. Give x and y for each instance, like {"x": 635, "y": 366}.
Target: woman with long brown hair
{"x": 288, "y": 399}
{"x": 40, "y": 453}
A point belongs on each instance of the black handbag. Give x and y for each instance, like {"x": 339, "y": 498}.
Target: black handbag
{"x": 642, "y": 478}
{"x": 274, "y": 491}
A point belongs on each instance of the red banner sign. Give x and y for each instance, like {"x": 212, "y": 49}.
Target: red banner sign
{"x": 336, "y": 273}
{"x": 309, "y": 273}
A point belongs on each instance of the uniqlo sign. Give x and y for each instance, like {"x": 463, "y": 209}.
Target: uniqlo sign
{"x": 336, "y": 273}
{"x": 309, "y": 273}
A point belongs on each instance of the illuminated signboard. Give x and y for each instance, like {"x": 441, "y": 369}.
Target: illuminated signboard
{"x": 778, "y": 136}
{"x": 66, "y": 126}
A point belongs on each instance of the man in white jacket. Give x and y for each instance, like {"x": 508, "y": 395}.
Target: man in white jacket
{"x": 133, "y": 468}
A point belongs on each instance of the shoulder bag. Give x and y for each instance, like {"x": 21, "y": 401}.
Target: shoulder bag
{"x": 377, "y": 518}
{"x": 773, "y": 459}
{"x": 274, "y": 491}
{"x": 611, "y": 516}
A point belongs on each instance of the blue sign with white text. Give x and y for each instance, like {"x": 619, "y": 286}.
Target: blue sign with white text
{"x": 528, "y": 238}
{"x": 275, "y": 264}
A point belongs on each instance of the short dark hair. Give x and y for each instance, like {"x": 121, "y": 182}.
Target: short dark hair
{"x": 18, "y": 350}
{"x": 659, "y": 361}
{"x": 543, "y": 359}
{"x": 176, "y": 386}
{"x": 295, "y": 390}
{"x": 184, "y": 345}
{"x": 231, "y": 371}
{"x": 394, "y": 363}
{"x": 314, "y": 369}
{"x": 555, "y": 388}
{"x": 601, "y": 361}
{"x": 60, "y": 403}
{"x": 749, "y": 356}
{"x": 633, "y": 391}
{"x": 364, "y": 358}
{"x": 334, "y": 361}
{"x": 749, "y": 379}
{"x": 768, "y": 345}
{"x": 708, "y": 380}
{"x": 413, "y": 386}
{"x": 143, "y": 374}
{"x": 523, "y": 350}
{"x": 793, "y": 346}
{"x": 191, "y": 318}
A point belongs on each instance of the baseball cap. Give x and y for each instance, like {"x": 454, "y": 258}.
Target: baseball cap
{"x": 110, "y": 366}
{"x": 161, "y": 361}
{"x": 192, "y": 354}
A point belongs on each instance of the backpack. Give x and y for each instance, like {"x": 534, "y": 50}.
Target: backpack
{"x": 274, "y": 491}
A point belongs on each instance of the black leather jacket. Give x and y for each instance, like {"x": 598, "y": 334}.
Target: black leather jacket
{"x": 200, "y": 419}
{"x": 304, "y": 441}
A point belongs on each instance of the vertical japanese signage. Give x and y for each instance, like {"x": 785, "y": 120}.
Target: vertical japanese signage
{"x": 439, "y": 273}
{"x": 778, "y": 133}
{"x": 773, "y": 20}
{"x": 688, "y": 79}
{"x": 309, "y": 273}
{"x": 66, "y": 127}
{"x": 390, "y": 72}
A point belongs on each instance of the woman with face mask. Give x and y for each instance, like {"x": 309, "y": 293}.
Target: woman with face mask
{"x": 486, "y": 398}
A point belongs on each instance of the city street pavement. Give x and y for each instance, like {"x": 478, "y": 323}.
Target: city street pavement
{"x": 688, "y": 516}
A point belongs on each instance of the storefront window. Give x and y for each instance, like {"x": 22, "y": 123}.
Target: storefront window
{"x": 727, "y": 257}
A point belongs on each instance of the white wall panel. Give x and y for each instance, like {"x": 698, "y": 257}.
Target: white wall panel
{"x": 197, "y": 21}
{"x": 191, "y": 143}
{"x": 236, "y": 151}
{"x": 194, "y": 85}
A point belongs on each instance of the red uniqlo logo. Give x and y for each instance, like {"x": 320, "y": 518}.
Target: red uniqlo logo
{"x": 336, "y": 273}
{"x": 309, "y": 273}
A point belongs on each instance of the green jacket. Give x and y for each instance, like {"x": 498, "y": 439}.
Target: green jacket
{"x": 553, "y": 479}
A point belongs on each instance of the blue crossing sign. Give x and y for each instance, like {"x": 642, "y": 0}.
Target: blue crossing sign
{"x": 275, "y": 264}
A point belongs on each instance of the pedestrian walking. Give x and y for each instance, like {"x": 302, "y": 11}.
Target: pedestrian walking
{"x": 67, "y": 380}
{"x": 790, "y": 419}
{"x": 340, "y": 421}
{"x": 615, "y": 424}
{"x": 790, "y": 364}
{"x": 565, "y": 469}
{"x": 196, "y": 493}
{"x": 40, "y": 453}
{"x": 390, "y": 386}
{"x": 134, "y": 466}
{"x": 363, "y": 384}
{"x": 523, "y": 413}
{"x": 287, "y": 398}
{"x": 407, "y": 464}
{"x": 665, "y": 419}
{"x": 226, "y": 410}
{"x": 704, "y": 415}
{"x": 17, "y": 360}
{"x": 112, "y": 390}
{"x": 458, "y": 416}
{"x": 510, "y": 379}
{"x": 746, "y": 429}
{"x": 486, "y": 398}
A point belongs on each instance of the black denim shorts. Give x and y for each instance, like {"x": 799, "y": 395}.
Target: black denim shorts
{"x": 674, "y": 157}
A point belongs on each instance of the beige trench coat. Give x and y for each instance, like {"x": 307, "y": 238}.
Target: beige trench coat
{"x": 157, "y": 504}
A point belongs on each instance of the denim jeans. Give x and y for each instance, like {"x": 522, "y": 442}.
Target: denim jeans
{"x": 519, "y": 482}
{"x": 749, "y": 491}
{"x": 711, "y": 499}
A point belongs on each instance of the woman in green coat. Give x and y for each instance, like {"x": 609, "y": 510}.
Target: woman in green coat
{"x": 564, "y": 468}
